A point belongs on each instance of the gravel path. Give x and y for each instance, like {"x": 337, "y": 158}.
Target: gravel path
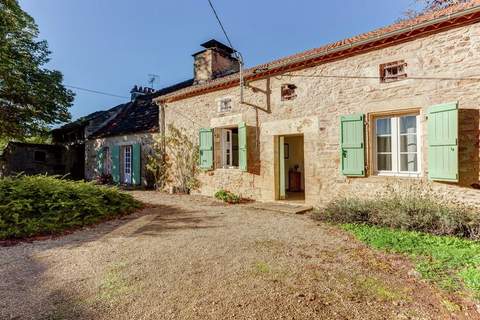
{"x": 193, "y": 258}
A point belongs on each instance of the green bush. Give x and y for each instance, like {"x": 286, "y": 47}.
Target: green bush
{"x": 414, "y": 208}
{"x": 227, "y": 196}
{"x": 40, "y": 205}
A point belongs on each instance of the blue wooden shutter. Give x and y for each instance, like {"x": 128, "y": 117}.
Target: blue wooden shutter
{"x": 116, "y": 164}
{"x": 352, "y": 145}
{"x": 242, "y": 146}
{"x": 100, "y": 161}
{"x": 443, "y": 142}
{"x": 206, "y": 149}
{"x": 136, "y": 164}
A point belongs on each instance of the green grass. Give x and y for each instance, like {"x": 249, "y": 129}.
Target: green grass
{"x": 372, "y": 287}
{"x": 42, "y": 205}
{"x": 451, "y": 262}
{"x": 262, "y": 267}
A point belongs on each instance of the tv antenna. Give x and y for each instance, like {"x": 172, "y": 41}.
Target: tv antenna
{"x": 152, "y": 78}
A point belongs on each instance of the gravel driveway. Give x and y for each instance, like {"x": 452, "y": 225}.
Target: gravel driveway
{"x": 193, "y": 258}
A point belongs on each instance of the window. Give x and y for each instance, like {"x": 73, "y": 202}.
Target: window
{"x": 397, "y": 145}
{"x": 230, "y": 148}
{"x": 288, "y": 92}
{"x": 40, "y": 156}
{"x": 225, "y": 105}
{"x": 393, "y": 71}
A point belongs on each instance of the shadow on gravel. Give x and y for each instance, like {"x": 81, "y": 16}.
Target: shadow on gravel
{"x": 24, "y": 293}
{"x": 169, "y": 218}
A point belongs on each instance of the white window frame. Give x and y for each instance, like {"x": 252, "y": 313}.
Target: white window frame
{"x": 227, "y": 147}
{"x": 395, "y": 144}
{"x": 127, "y": 164}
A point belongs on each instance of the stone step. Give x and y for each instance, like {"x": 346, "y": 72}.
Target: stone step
{"x": 281, "y": 207}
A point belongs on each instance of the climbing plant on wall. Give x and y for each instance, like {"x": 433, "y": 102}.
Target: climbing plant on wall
{"x": 174, "y": 165}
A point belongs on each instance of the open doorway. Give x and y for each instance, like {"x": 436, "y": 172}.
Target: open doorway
{"x": 291, "y": 169}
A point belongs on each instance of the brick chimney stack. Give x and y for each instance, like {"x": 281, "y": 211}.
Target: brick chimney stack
{"x": 215, "y": 61}
{"x": 140, "y": 91}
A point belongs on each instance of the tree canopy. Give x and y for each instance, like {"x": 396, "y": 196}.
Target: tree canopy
{"x": 439, "y": 4}
{"x": 32, "y": 97}
{"x": 430, "y": 5}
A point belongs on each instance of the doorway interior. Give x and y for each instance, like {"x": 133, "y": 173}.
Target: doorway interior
{"x": 291, "y": 168}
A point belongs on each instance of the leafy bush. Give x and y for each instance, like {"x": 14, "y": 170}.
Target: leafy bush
{"x": 39, "y": 205}
{"x": 451, "y": 262}
{"x": 416, "y": 208}
{"x": 227, "y": 196}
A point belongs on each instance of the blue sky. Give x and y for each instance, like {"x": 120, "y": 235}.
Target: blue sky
{"x": 111, "y": 45}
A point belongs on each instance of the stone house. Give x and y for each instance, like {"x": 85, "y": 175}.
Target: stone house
{"x": 120, "y": 147}
{"x": 398, "y": 104}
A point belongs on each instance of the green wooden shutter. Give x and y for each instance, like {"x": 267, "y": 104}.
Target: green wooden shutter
{"x": 242, "y": 146}
{"x": 443, "y": 142}
{"x": 116, "y": 164}
{"x": 206, "y": 149}
{"x": 100, "y": 161}
{"x": 136, "y": 165}
{"x": 352, "y": 145}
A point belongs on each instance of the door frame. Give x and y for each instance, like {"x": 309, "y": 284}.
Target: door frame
{"x": 279, "y": 166}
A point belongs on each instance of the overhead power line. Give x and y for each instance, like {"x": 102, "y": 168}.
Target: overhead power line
{"x": 376, "y": 77}
{"x": 221, "y": 24}
{"x": 96, "y": 92}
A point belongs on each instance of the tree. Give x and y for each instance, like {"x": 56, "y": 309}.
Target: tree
{"x": 430, "y": 5}
{"x": 439, "y": 4}
{"x": 31, "y": 97}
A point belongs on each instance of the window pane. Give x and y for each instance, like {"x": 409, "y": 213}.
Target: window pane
{"x": 384, "y": 144}
{"x": 408, "y": 162}
{"x": 383, "y": 126}
{"x": 384, "y": 162}
{"x": 408, "y": 143}
{"x": 408, "y": 124}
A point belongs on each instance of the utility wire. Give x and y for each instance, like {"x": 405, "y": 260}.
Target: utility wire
{"x": 96, "y": 91}
{"x": 374, "y": 77}
{"x": 188, "y": 118}
{"x": 221, "y": 24}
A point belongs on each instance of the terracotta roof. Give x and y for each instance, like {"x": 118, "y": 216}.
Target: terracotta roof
{"x": 402, "y": 31}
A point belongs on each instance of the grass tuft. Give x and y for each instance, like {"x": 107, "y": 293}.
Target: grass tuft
{"x": 262, "y": 267}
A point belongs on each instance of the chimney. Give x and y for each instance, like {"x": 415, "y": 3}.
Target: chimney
{"x": 215, "y": 61}
{"x": 140, "y": 91}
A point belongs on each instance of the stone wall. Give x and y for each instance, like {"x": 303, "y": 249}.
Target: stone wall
{"x": 320, "y": 102}
{"x": 146, "y": 140}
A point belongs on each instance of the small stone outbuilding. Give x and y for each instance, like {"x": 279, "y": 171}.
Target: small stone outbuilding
{"x": 32, "y": 159}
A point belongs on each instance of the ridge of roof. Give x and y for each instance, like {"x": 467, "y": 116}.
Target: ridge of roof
{"x": 262, "y": 70}
{"x": 85, "y": 120}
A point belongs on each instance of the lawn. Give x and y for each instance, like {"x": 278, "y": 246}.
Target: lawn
{"x": 451, "y": 262}
{"x": 42, "y": 205}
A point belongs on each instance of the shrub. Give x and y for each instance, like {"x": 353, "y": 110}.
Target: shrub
{"x": 41, "y": 205}
{"x": 416, "y": 208}
{"x": 227, "y": 196}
